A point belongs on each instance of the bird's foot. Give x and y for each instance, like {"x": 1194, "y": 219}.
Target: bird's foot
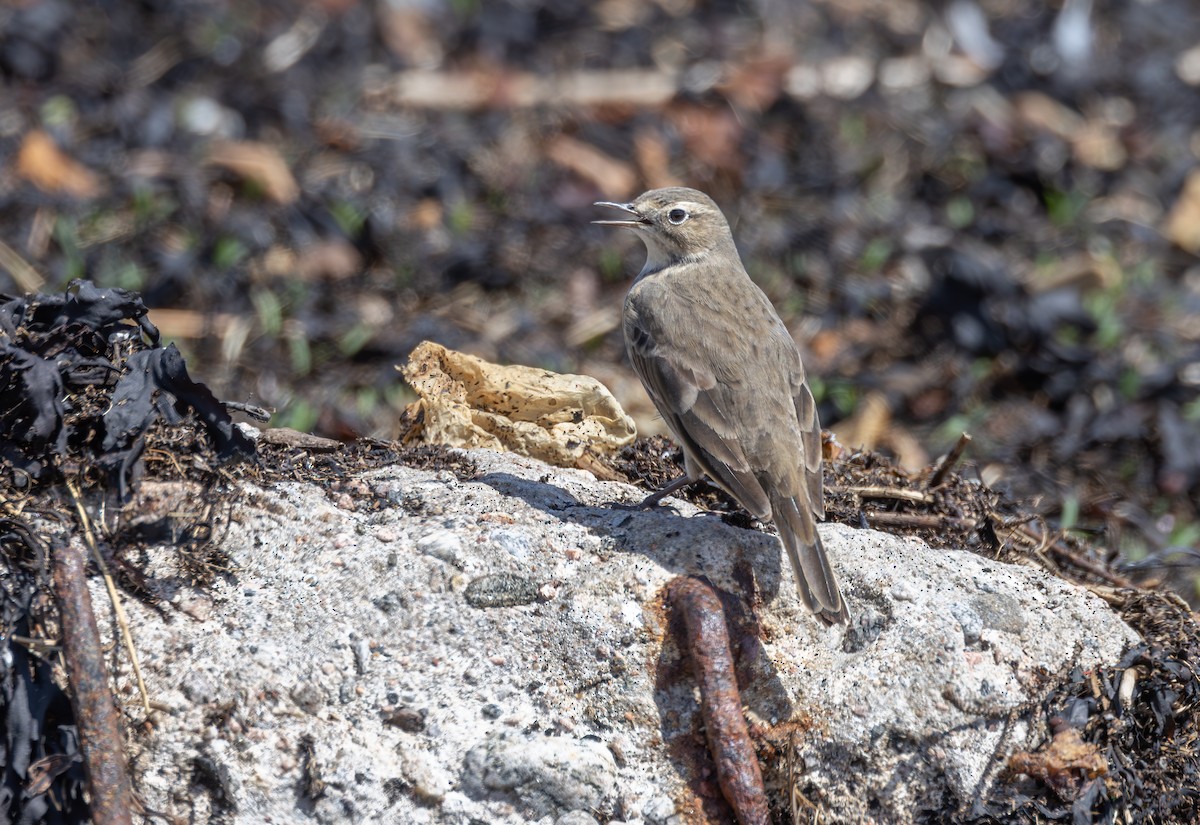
{"x": 653, "y": 500}
{"x": 650, "y": 502}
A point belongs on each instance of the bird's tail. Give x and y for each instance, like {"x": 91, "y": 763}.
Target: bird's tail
{"x": 814, "y": 578}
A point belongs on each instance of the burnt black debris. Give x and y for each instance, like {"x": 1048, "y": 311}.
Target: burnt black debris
{"x": 83, "y": 378}
{"x": 35, "y": 714}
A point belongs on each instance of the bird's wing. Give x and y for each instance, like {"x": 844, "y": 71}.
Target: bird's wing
{"x": 696, "y": 407}
{"x": 810, "y": 439}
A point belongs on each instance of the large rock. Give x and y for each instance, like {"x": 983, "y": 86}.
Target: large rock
{"x": 495, "y": 650}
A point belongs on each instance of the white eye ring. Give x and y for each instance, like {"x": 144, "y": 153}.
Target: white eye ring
{"x": 677, "y": 216}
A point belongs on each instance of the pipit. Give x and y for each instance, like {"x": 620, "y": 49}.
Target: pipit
{"x": 725, "y": 374}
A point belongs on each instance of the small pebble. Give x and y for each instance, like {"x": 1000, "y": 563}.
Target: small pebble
{"x": 407, "y": 719}
{"x": 442, "y": 545}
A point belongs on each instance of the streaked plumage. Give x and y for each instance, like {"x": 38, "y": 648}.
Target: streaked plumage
{"x": 726, "y": 376}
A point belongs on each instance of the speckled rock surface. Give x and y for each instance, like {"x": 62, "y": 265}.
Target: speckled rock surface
{"x": 430, "y": 650}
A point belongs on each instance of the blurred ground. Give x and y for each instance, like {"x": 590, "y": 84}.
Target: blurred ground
{"x": 974, "y": 217}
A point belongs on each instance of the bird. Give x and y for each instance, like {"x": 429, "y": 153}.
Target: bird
{"x": 726, "y": 377}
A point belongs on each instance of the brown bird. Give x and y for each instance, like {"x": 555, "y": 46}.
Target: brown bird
{"x": 725, "y": 374}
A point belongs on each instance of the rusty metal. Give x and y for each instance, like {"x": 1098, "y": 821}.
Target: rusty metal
{"x": 729, "y": 741}
{"x": 95, "y": 713}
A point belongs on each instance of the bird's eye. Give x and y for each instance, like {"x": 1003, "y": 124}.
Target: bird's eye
{"x": 677, "y": 216}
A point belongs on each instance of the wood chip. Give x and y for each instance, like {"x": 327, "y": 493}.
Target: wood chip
{"x": 47, "y": 167}
{"x": 287, "y": 437}
{"x": 259, "y": 163}
{"x": 1183, "y": 222}
{"x": 613, "y": 177}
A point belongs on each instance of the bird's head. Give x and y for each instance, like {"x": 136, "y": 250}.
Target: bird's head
{"x": 676, "y": 224}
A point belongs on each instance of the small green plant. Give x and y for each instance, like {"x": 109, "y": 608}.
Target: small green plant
{"x": 269, "y": 310}
{"x": 843, "y": 395}
{"x": 612, "y": 268}
{"x": 1185, "y": 534}
{"x": 1070, "y": 512}
{"x": 354, "y": 339}
{"x": 1129, "y": 384}
{"x": 1103, "y": 306}
{"x": 151, "y": 207}
{"x": 461, "y": 218}
{"x": 350, "y": 218}
{"x": 1064, "y": 208}
{"x": 229, "y": 252}
{"x": 852, "y": 128}
{"x": 66, "y": 236}
{"x": 300, "y": 352}
{"x": 366, "y": 402}
{"x": 949, "y": 431}
{"x": 875, "y": 255}
{"x": 465, "y": 9}
{"x": 59, "y": 111}
{"x": 960, "y": 212}
{"x": 128, "y": 275}
{"x": 298, "y": 415}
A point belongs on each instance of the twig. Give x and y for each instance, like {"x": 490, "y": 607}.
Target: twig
{"x": 720, "y": 703}
{"x": 915, "y": 496}
{"x": 22, "y": 272}
{"x": 257, "y": 413}
{"x": 920, "y": 520}
{"x": 802, "y": 807}
{"x": 952, "y": 458}
{"x": 1059, "y": 548}
{"x": 95, "y": 712}
{"x": 123, "y": 623}
{"x": 169, "y": 456}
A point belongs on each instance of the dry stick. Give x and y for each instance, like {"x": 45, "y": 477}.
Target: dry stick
{"x": 952, "y": 458}
{"x": 1062, "y": 551}
{"x": 898, "y": 493}
{"x": 90, "y": 538}
{"x": 720, "y": 703}
{"x": 95, "y": 712}
{"x": 920, "y": 520}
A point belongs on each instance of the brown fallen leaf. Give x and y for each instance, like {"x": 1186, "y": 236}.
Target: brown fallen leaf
{"x": 468, "y": 402}
{"x": 1040, "y": 112}
{"x": 866, "y": 428}
{"x": 1099, "y": 146}
{"x": 287, "y": 437}
{"x": 1065, "y": 765}
{"x": 190, "y": 324}
{"x": 47, "y": 167}
{"x": 711, "y": 134}
{"x": 1183, "y": 221}
{"x": 756, "y": 84}
{"x": 259, "y": 163}
{"x": 613, "y": 177}
{"x": 333, "y": 259}
{"x": 654, "y": 159}
{"x": 42, "y": 773}
{"x": 498, "y": 88}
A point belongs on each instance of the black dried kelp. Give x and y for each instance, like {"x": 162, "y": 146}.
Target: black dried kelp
{"x": 84, "y": 376}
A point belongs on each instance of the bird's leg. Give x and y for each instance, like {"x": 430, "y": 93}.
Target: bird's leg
{"x": 651, "y": 501}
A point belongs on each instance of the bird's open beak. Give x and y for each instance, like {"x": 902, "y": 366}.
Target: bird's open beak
{"x": 627, "y": 207}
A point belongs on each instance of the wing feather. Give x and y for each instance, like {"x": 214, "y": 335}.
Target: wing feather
{"x": 694, "y": 406}
{"x": 810, "y": 439}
